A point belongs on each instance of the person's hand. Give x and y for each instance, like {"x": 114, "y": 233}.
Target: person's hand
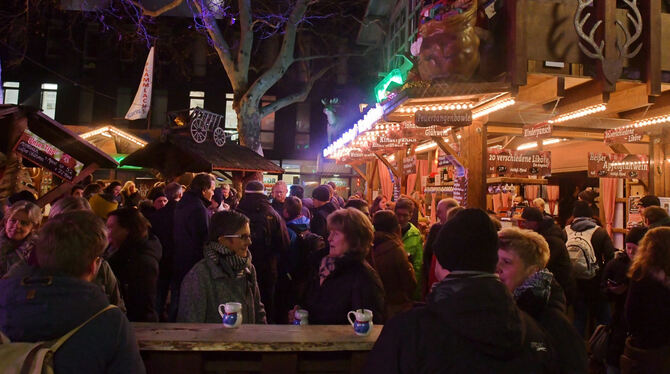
{"x": 291, "y": 314}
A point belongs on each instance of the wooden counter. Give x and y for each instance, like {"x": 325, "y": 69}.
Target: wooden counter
{"x": 211, "y": 348}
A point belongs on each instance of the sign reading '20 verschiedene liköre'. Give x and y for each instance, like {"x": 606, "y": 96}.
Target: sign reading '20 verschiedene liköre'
{"x": 443, "y": 118}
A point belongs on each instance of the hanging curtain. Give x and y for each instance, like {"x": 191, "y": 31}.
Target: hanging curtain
{"x": 608, "y": 196}
{"x": 385, "y": 179}
{"x": 411, "y": 183}
{"x": 413, "y": 179}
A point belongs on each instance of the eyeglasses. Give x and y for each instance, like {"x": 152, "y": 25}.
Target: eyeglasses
{"x": 243, "y": 237}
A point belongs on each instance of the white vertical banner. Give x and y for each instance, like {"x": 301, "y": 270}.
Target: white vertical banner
{"x": 140, "y": 106}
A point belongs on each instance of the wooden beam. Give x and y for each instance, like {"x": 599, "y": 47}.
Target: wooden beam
{"x": 383, "y": 159}
{"x": 359, "y": 172}
{"x": 549, "y": 90}
{"x": 66, "y": 186}
{"x": 619, "y": 148}
{"x": 448, "y": 150}
{"x": 473, "y": 147}
{"x": 660, "y": 107}
{"x": 517, "y": 57}
{"x": 651, "y": 44}
{"x": 628, "y": 96}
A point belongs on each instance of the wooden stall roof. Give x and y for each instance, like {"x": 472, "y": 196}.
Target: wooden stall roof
{"x": 55, "y": 133}
{"x": 178, "y": 153}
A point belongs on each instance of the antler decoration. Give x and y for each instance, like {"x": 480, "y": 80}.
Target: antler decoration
{"x": 630, "y": 39}
{"x": 590, "y": 38}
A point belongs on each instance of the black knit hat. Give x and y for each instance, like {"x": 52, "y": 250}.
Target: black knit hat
{"x": 532, "y": 214}
{"x": 635, "y": 235}
{"x": 321, "y": 193}
{"x": 582, "y": 209}
{"x": 588, "y": 195}
{"x": 155, "y": 193}
{"x": 21, "y": 196}
{"x": 468, "y": 242}
{"x": 649, "y": 200}
{"x": 254, "y": 187}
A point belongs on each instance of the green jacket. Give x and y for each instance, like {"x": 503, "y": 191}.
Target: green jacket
{"x": 414, "y": 247}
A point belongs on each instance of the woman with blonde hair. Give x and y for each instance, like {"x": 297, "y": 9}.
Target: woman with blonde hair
{"x": 648, "y": 306}
{"x": 131, "y": 197}
{"x": 16, "y": 234}
{"x": 522, "y": 261}
{"x": 345, "y": 281}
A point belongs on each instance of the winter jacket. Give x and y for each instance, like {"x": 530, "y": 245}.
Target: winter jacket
{"x": 269, "y": 237}
{"x": 278, "y": 207}
{"x": 135, "y": 265}
{"x": 352, "y": 285}
{"x": 102, "y": 204}
{"x": 542, "y": 298}
{"x": 162, "y": 225}
{"x": 469, "y": 325}
{"x": 616, "y": 271}
{"x": 559, "y": 260}
{"x": 604, "y": 251}
{"x": 131, "y": 200}
{"x": 191, "y": 225}
{"x": 395, "y": 271}
{"x": 427, "y": 275}
{"x": 647, "y": 311}
{"x": 107, "y": 344}
{"x": 413, "y": 243}
{"x": 12, "y": 252}
{"x": 319, "y": 222}
{"x": 210, "y": 284}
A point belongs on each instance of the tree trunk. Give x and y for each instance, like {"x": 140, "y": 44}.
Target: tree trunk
{"x": 249, "y": 127}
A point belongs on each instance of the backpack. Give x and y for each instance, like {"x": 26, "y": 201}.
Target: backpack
{"x": 582, "y": 255}
{"x": 34, "y": 358}
{"x": 307, "y": 243}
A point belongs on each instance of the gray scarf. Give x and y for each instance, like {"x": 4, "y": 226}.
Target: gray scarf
{"x": 219, "y": 254}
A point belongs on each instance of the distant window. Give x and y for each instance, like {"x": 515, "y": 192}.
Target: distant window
{"x": 302, "y": 126}
{"x": 48, "y": 99}
{"x": 10, "y": 92}
{"x": 196, "y": 99}
{"x": 231, "y": 117}
{"x": 268, "y": 125}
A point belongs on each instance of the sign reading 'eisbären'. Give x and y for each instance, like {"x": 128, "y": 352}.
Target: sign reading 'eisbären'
{"x": 443, "y": 118}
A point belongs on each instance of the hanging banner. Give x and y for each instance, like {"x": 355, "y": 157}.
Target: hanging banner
{"x": 510, "y": 163}
{"x": 409, "y": 129}
{"x": 537, "y": 131}
{"x": 409, "y": 165}
{"x": 140, "y": 106}
{"x": 623, "y": 135}
{"x": 618, "y": 165}
{"x": 443, "y": 118}
{"x": 461, "y": 188}
{"x": 46, "y": 155}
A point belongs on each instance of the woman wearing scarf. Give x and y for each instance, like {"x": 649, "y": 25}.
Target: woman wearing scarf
{"x": 224, "y": 275}
{"x": 522, "y": 261}
{"x": 16, "y": 234}
{"x": 345, "y": 281}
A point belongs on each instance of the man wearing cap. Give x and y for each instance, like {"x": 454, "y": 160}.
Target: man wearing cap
{"x": 323, "y": 206}
{"x": 646, "y": 202}
{"x": 470, "y": 323}
{"x": 269, "y": 239}
{"x": 559, "y": 259}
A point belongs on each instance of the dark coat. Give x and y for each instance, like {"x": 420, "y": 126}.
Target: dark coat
{"x": 319, "y": 221}
{"x": 352, "y": 285}
{"x": 470, "y": 325}
{"x": 647, "y": 311}
{"x": 278, "y": 207}
{"x": 191, "y": 225}
{"x": 105, "y": 345}
{"x": 162, "y": 225}
{"x": 616, "y": 271}
{"x": 395, "y": 271}
{"x": 135, "y": 265}
{"x": 428, "y": 253}
{"x": 559, "y": 260}
{"x": 549, "y": 313}
{"x": 131, "y": 200}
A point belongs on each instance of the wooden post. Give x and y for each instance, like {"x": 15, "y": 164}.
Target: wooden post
{"x": 359, "y": 172}
{"x": 474, "y": 154}
{"x": 517, "y": 60}
{"x": 651, "y": 44}
{"x": 66, "y": 186}
{"x": 388, "y": 164}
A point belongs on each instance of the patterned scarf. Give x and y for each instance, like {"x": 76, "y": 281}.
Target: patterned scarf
{"x": 539, "y": 284}
{"x": 219, "y": 254}
{"x": 327, "y": 267}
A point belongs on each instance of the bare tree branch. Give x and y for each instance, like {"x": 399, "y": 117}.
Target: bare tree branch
{"x": 319, "y": 57}
{"x": 246, "y": 41}
{"x": 155, "y": 13}
{"x": 296, "y": 97}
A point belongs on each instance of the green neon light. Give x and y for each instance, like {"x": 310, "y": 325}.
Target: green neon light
{"x": 118, "y": 157}
{"x": 396, "y": 78}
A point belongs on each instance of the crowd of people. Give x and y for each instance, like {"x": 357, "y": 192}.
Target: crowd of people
{"x": 463, "y": 294}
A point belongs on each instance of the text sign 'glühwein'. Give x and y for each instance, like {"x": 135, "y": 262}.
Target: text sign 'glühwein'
{"x": 47, "y": 156}
{"x": 409, "y": 165}
{"x": 618, "y": 165}
{"x": 409, "y": 129}
{"x": 623, "y": 135}
{"x": 443, "y": 118}
{"x": 540, "y": 130}
{"x": 507, "y": 162}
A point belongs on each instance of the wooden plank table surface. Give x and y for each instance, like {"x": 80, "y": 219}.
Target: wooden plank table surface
{"x": 251, "y": 338}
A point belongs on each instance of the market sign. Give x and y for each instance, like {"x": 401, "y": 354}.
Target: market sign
{"x": 355, "y": 156}
{"x": 443, "y": 118}
{"x": 409, "y": 165}
{"x": 409, "y": 129}
{"x": 510, "y": 163}
{"x": 623, "y": 135}
{"x": 460, "y": 191}
{"x": 444, "y": 159}
{"x": 618, "y": 165}
{"x": 537, "y": 131}
{"x": 47, "y": 156}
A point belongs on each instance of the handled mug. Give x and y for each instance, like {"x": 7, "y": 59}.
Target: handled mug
{"x": 362, "y": 322}
{"x": 231, "y": 314}
{"x": 301, "y": 317}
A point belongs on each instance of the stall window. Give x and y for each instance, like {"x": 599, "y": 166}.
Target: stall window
{"x": 196, "y": 99}
{"x": 48, "y": 99}
{"x": 231, "y": 117}
{"x": 10, "y": 92}
{"x": 302, "y": 126}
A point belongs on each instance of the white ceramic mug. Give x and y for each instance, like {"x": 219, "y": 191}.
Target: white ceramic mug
{"x": 231, "y": 314}
{"x": 301, "y": 317}
{"x": 362, "y": 323}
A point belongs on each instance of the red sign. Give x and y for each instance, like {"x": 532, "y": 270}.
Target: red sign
{"x": 443, "y": 118}
{"x": 624, "y": 135}
{"x": 540, "y": 130}
{"x": 409, "y": 129}
{"x": 507, "y": 162}
{"x": 619, "y": 165}
{"x": 47, "y": 156}
{"x": 461, "y": 188}
{"x": 355, "y": 156}
{"x": 409, "y": 165}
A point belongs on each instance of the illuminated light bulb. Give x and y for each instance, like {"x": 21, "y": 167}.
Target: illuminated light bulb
{"x": 440, "y": 107}
{"x": 458, "y": 106}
